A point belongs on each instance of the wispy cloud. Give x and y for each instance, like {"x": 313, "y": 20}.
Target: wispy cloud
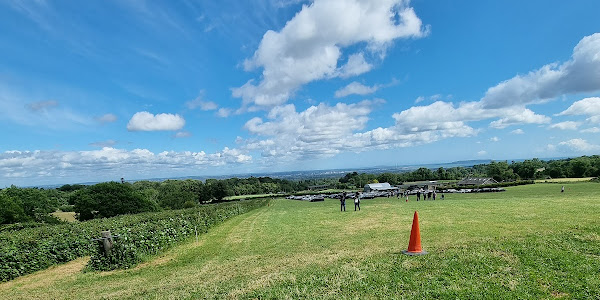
{"x": 46, "y": 113}
{"x": 591, "y": 130}
{"x": 106, "y": 118}
{"x": 355, "y": 88}
{"x": 224, "y": 112}
{"x": 201, "y": 103}
{"x": 183, "y": 134}
{"x": 102, "y": 144}
{"x": 42, "y": 105}
{"x": 567, "y": 125}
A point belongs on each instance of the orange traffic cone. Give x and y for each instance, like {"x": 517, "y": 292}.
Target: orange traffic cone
{"x": 414, "y": 245}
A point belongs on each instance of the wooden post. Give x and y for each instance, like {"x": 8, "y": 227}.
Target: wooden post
{"x": 107, "y": 240}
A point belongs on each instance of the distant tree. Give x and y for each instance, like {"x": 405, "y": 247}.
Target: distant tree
{"x": 11, "y": 211}
{"x": 348, "y": 177}
{"x": 219, "y": 190}
{"x": 580, "y": 167}
{"x": 422, "y": 174}
{"x": 34, "y": 203}
{"x": 391, "y": 178}
{"x": 441, "y": 174}
{"x": 110, "y": 199}
{"x": 556, "y": 169}
{"x": 500, "y": 171}
{"x": 173, "y": 194}
{"x": 71, "y": 187}
{"x": 527, "y": 169}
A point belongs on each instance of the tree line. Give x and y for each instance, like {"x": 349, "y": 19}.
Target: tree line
{"x": 19, "y": 205}
{"x": 108, "y": 199}
{"x": 501, "y": 171}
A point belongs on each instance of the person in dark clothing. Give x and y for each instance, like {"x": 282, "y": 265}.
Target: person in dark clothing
{"x": 418, "y": 195}
{"x": 434, "y": 195}
{"x": 357, "y": 201}
{"x": 343, "y": 202}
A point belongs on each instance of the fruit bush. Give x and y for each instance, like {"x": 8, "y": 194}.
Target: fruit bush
{"x": 31, "y": 249}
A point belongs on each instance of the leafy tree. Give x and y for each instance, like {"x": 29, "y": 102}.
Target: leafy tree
{"x": 173, "y": 194}
{"x": 11, "y": 211}
{"x": 219, "y": 190}
{"x": 527, "y": 169}
{"x": 109, "y": 199}
{"x": 71, "y": 187}
{"x": 579, "y": 167}
{"x": 500, "y": 171}
{"x": 422, "y": 174}
{"x": 34, "y": 203}
{"x": 391, "y": 178}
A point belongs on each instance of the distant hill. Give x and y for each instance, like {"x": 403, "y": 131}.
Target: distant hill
{"x": 329, "y": 173}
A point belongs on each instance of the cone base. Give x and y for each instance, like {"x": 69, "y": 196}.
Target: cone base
{"x": 423, "y": 252}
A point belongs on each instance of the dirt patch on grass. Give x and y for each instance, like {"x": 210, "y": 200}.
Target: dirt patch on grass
{"x": 556, "y": 294}
{"x": 47, "y": 277}
{"x": 506, "y": 256}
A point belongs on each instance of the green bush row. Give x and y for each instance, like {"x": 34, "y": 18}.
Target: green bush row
{"x": 31, "y": 249}
{"x": 150, "y": 234}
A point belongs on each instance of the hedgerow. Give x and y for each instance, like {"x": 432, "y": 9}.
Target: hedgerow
{"x": 31, "y": 249}
{"x": 148, "y": 234}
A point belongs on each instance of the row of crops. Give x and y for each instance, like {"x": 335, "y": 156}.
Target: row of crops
{"x": 32, "y": 249}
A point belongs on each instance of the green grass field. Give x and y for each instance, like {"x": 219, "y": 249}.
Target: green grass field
{"x": 563, "y": 180}
{"x": 250, "y": 196}
{"x": 529, "y": 242}
{"x": 65, "y": 216}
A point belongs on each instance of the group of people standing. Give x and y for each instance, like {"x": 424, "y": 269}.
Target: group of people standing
{"x": 343, "y": 201}
{"x": 426, "y": 195}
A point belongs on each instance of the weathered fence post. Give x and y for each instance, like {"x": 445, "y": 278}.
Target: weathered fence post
{"x": 107, "y": 241}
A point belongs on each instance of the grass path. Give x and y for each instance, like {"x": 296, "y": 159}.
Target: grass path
{"x": 529, "y": 242}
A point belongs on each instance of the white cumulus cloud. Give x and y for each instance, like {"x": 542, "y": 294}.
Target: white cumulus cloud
{"x": 111, "y": 163}
{"x": 579, "y": 74}
{"x": 356, "y": 65}
{"x": 518, "y": 131}
{"x": 310, "y": 45}
{"x": 319, "y": 131}
{"x": 589, "y": 107}
{"x": 579, "y": 145}
{"x": 145, "y": 121}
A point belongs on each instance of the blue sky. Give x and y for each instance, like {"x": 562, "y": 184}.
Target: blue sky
{"x": 101, "y": 90}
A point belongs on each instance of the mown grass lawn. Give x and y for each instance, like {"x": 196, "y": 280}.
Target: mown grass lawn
{"x": 528, "y": 242}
